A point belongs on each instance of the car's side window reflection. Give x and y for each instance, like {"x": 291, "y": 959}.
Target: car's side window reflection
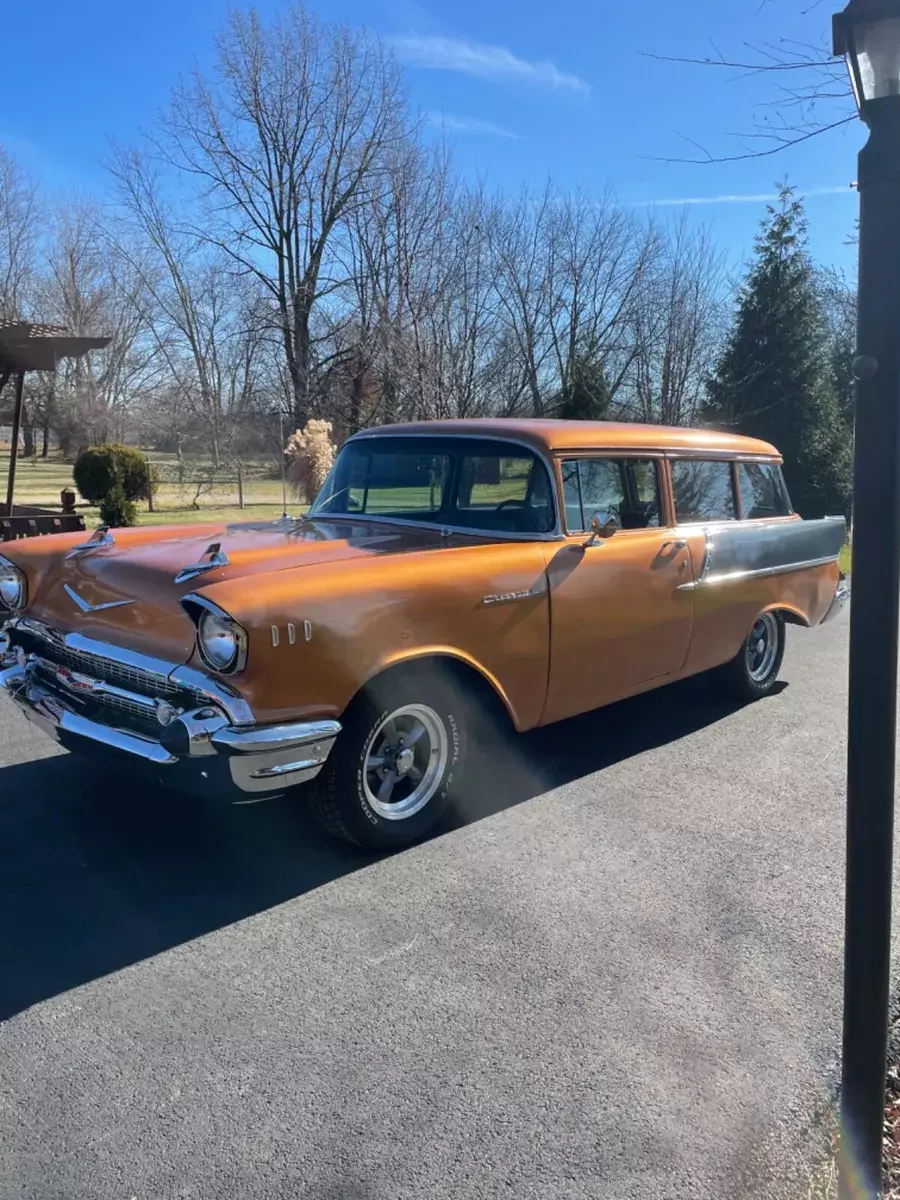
{"x": 625, "y": 488}
{"x": 703, "y": 491}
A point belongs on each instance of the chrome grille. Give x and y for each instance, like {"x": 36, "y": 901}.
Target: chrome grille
{"x": 133, "y": 678}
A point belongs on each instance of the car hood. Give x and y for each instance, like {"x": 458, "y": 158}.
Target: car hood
{"x": 129, "y": 593}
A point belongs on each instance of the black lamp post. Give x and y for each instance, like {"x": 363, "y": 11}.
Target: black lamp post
{"x": 867, "y": 32}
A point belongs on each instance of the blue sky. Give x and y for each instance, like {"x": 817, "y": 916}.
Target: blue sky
{"x": 525, "y": 90}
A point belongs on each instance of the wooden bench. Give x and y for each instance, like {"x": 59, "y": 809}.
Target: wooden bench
{"x": 24, "y": 525}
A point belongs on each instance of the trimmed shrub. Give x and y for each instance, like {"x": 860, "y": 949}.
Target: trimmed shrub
{"x": 116, "y": 510}
{"x": 99, "y": 469}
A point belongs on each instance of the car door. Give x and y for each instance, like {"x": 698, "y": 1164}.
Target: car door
{"x": 618, "y": 620}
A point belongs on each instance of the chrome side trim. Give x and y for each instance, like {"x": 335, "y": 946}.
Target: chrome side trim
{"x": 289, "y": 768}
{"x": 100, "y": 539}
{"x": 747, "y": 549}
{"x": 730, "y": 576}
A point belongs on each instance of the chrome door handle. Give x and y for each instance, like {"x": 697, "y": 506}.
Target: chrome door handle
{"x": 680, "y": 544}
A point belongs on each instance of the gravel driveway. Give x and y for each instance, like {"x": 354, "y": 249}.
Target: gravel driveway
{"x": 617, "y": 976}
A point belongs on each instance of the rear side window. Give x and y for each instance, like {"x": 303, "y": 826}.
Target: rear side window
{"x": 763, "y": 493}
{"x": 624, "y": 488}
{"x": 703, "y": 491}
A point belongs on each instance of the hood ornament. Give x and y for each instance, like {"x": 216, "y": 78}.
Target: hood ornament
{"x": 100, "y": 539}
{"x": 90, "y": 608}
{"x": 211, "y": 558}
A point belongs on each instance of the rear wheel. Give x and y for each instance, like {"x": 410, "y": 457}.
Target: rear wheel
{"x": 397, "y": 763}
{"x": 753, "y": 671}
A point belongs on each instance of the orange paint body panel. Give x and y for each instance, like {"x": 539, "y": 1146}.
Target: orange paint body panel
{"x": 554, "y": 626}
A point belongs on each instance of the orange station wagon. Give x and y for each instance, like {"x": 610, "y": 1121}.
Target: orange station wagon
{"x": 543, "y": 567}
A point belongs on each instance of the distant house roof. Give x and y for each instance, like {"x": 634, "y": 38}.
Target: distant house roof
{"x": 28, "y": 347}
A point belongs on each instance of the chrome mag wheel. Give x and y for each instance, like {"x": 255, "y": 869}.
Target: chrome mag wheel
{"x": 762, "y": 647}
{"x": 405, "y": 761}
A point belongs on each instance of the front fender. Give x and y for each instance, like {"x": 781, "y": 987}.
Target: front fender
{"x": 319, "y": 634}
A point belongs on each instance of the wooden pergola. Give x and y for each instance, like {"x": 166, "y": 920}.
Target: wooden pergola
{"x": 27, "y": 347}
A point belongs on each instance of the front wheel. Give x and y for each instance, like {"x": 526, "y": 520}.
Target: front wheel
{"x": 753, "y": 671}
{"x": 397, "y": 763}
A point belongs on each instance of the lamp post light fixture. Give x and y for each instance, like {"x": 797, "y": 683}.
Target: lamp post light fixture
{"x": 867, "y": 33}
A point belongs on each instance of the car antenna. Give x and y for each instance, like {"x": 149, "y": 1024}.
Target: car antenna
{"x": 284, "y": 515}
{"x": 284, "y": 521}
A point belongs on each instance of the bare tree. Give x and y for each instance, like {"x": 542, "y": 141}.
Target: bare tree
{"x": 676, "y": 329}
{"x": 205, "y": 322}
{"x": 289, "y": 133}
{"x": 601, "y": 267}
{"x": 92, "y": 290}
{"x": 20, "y": 214}
{"x": 807, "y": 90}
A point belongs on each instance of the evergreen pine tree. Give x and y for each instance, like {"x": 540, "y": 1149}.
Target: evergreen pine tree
{"x": 775, "y": 379}
{"x": 585, "y": 395}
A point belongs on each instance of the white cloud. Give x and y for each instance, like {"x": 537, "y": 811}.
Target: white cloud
{"x": 484, "y": 62}
{"x": 742, "y": 198}
{"x": 470, "y": 125}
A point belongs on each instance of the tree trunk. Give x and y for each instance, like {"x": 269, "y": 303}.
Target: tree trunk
{"x": 27, "y": 432}
{"x": 48, "y": 420}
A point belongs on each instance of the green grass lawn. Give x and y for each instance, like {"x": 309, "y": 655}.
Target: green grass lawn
{"x": 39, "y": 481}
{"x": 846, "y": 555}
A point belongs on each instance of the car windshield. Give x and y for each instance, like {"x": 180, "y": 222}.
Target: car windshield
{"x": 468, "y": 483}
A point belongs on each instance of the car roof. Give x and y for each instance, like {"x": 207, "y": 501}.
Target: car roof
{"x": 558, "y": 435}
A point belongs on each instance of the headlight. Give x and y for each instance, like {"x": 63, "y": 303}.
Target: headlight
{"x": 222, "y": 642}
{"x": 12, "y": 586}
{"x": 218, "y": 641}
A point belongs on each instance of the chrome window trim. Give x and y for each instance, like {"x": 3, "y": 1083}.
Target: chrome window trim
{"x": 241, "y": 638}
{"x": 215, "y": 690}
{"x": 555, "y": 534}
{"x": 722, "y": 456}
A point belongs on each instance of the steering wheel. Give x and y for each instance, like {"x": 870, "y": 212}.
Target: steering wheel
{"x": 508, "y": 503}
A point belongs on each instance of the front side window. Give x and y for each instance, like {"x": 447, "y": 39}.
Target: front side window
{"x": 470, "y": 483}
{"x": 763, "y": 493}
{"x": 703, "y": 491}
{"x": 625, "y": 488}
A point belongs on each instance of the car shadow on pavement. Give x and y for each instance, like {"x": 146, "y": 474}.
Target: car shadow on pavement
{"x": 99, "y": 870}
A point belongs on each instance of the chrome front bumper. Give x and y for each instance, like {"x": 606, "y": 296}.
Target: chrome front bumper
{"x": 201, "y": 749}
{"x": 841, "y": 596}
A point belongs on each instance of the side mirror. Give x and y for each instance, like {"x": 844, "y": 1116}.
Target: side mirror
{"x": 603, "y": 526}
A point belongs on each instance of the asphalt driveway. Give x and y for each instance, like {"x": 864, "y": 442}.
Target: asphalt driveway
{"x": 616, "y": 975}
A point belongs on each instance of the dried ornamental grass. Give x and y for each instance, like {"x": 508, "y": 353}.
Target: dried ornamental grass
{"x": 310, "y": 454}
